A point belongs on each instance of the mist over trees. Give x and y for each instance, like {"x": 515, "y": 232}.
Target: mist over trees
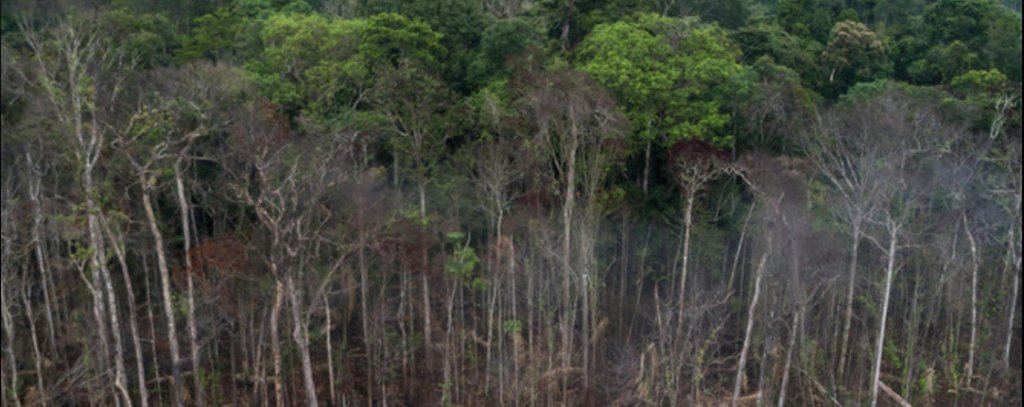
{"x": 511, "y": 202}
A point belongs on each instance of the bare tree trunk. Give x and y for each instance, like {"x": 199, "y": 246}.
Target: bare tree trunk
{"x": 794, "y": 332}
{"x": 428, "y": 342}
{"x": 568, "y": 206}
{"x": 152, "y": 331}
{"x": 96, "y": 260}
{"x": 98, "y": 244}
{"x": 1013, "y": 303}
{"x": 890, "y": 270}
{"x": 330, "y": 352}
{"x": 851, "y": 284}
{"x": 8, "y": 323}
{"x": 168, "y": 300}
{"x": 34, "y": 188}
{"x": 301, "y": 338}
{"x": 1013, "y": 258}
{"x": 758, "y": 277}
{"x": 364, "y": 290}
{"x": 36, "y": 354}
{"x": 974, "y": 301}
{"x": 684, "y": 269}
{"x": 117, "y": 243}
{"x": 275, "y": 343}
{"x": 193, "y": 331}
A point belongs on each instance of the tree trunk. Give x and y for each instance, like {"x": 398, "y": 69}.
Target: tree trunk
{"x": 168, "y": 300}
{"x": 275, "y": 343}
{"x": 12, "y": 359}
{"x": 364, "y": 290}
{"x": 193, "y": 330}
{"x": 117, "y": 243}
{"x": 568, "y": 206}
{"x": 793, "y": 333}
{"x": 100, "y": 262}
{"x": 428, "y": 342}
{"x": 851, "y": 284}
{"x": 890, "y": 270}
{"x": 330, "y": 352}
{"x": 301, "y": 339}
{"x": 684, "y": 268}
{"x": 152, "y": 329}
{"x": 758, "y": 277}
{"x": 34, "y": 188}
{"x": 96, "y": 260}
{"x": 1013, "y": 305}
{"x": 37, "y": 355}
{"x": 974, "y": 301}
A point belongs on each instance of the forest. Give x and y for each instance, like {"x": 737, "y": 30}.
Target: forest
{"x": 460, "y": 203}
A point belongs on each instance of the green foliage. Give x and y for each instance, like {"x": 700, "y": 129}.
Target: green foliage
{"x": 775, "y": 107}
{"x": 390, "y": 39}
{"x": 501, "y": 41}
{"x": 148, "y": 39}
{"x": 854, "y": 54}
{"x": 806, "y": 18}
{"x": 512, "y": 326}
{"x": 958, "y": 20}
{"x": 458, "y": 22}
{"x": 670, "y": 75}
{"x": 763, "y": 38}
{"x": 310, "y": 61}
{"x": 215, "y": 36}
{"x": 462, "y": 261}
{"x": 959, "y": 35}
{"x": 979, "y": 81}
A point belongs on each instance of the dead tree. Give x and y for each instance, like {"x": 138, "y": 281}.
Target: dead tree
{"x": 573, "y": 117}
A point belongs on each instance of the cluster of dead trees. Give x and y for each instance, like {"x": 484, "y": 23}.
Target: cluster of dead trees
{"x": 170, "y": 238}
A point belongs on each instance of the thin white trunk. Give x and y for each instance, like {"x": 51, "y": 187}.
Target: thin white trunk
{"x": 100, "y": 263}
{"x": 568, "y": 206}
{"x": 851, "y": 284}
{"x": 168, "y": 300}
{"x": 275, "y": 343}
{"x": 37, "y": 241}
{"x": 364, "y": 291}
{"x": 117, "y": 243}
{"x": 793, "y": 333}
{"x": 95, "y": 275}
{"x": 36, "y": 353}
{"x": 1014, "y": 261}
{"x": 193, "y": 330}
{"x": 12, "y": 359}
{"x": 1012, "y": 308}
{"x": 758, "y": 276}
{"x": 974, "y": 301}
{"x": 890, "y": 270}
{"x": 301, "y": 338}
{"x": 684, "y": 268}
{"x": 330, "y": 353}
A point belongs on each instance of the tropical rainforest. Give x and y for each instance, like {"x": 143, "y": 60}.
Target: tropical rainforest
{"x": 511, "y": 203}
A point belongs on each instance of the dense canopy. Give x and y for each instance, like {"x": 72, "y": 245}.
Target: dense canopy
{"x": 511, "y": 202}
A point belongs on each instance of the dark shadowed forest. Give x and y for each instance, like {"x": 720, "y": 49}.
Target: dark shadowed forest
{"x": 461, "y": 203}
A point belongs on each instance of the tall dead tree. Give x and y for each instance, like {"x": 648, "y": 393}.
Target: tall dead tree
{"x": 573, "y": 117}
{"x": 77, "y": 78}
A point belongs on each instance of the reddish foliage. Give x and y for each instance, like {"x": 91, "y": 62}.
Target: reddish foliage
{"x": 691, "y": 150}
{"x": 225, "y": 254}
